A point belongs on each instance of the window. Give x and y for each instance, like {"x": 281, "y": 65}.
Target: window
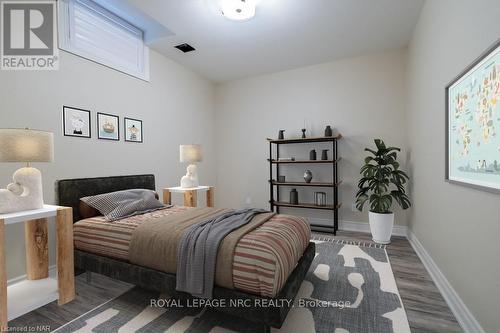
{"x": 90, "y": 31}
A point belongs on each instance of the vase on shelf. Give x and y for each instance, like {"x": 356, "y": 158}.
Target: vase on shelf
{"x": 312, "y": 155}
{"x": 328, "y": 131}
{"x": 308, "y": 176}
{"x": 294, "y": 197}
{"x": 324, "y": 154}
{"x": 281, "y": 135}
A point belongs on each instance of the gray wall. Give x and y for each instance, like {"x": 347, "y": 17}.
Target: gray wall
{"x": 458, "y": 226}
{"x": 176, "y": 107}
{"x": 363, "y": 98}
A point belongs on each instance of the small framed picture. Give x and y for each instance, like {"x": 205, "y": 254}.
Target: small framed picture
{"x": 133, "y": 130}
{"x": 108, "y": 126}
{"x": 76, "y": 122}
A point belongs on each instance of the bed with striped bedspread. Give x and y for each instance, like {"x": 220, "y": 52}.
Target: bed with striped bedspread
{"x": 263, "y": 259}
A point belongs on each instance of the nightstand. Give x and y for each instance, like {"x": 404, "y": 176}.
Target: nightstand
{"x": 39, "y": 287}
{"x": 190, "y": 195}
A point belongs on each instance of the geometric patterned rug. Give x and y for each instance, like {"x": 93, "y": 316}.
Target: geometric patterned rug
{"x": 350, "y": 288}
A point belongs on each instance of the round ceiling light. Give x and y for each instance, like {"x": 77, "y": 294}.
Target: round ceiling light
{"x": 238, "y": 10}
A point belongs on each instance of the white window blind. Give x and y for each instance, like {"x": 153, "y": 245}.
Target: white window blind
{"x": 90, "y": 31}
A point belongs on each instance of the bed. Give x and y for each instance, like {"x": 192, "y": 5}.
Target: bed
{"x": 103, "y": 247}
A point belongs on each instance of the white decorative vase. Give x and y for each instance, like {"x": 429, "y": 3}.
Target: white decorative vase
{"x": 381, "y": 227}
{"x": 25, "y": 193}
{"x": 190, "y": 180}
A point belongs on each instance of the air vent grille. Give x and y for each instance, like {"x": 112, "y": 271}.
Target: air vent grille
{"x": 185, "y": 47}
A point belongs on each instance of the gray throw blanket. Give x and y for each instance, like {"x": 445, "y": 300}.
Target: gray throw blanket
{"x": 197, "y": 255}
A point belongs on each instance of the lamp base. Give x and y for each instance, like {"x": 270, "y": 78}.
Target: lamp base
{"x": 190, "y": 180}
{"x": 25, "y": 193}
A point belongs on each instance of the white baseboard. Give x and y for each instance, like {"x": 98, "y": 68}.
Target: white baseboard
{"x": 21, "y": 278}
{"x": 398, "y": 230}
{"x": 464, "y": 317}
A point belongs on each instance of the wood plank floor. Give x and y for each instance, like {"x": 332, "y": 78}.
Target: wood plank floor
{"x": 425, "y": 307}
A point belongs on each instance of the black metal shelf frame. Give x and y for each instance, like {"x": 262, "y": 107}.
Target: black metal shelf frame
{"x": 274, "y": 195}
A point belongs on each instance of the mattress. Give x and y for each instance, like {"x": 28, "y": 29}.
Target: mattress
{"x": 263, "y": 260}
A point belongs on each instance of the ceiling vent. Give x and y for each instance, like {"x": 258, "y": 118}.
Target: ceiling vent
{"x": 185, "y": 48}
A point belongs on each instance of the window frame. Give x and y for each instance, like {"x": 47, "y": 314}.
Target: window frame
{"x": 66, "y": 30}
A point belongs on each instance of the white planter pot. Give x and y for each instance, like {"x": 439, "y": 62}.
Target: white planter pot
{"x": 381, "y": 227}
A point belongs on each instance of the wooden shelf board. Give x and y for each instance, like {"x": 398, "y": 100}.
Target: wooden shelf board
{"x": 306, "y": 161}
{"x": 309, "y": 206}
{"x": 300, "y": 140}
{"x": 311, "y": 184}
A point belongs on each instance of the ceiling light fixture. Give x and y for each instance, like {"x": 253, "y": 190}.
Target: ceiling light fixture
{"x": 238, "y": 10}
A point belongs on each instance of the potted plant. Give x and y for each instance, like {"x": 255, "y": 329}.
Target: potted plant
{"x": 382, "y": 184}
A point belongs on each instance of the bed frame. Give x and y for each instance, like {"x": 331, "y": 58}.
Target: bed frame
{"x": 69, "y": 193}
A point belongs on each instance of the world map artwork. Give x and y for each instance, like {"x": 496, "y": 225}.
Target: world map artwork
{"x": 474, "y": 124}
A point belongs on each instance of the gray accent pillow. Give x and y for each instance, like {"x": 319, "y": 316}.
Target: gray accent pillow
{"x": 122, "y": 204}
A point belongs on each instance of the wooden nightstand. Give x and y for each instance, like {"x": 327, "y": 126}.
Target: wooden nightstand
{"x": 190, "y": 195}
{"x": 39, "y": 288}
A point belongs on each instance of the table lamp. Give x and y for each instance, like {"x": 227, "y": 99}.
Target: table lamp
{"x": 190, "y": 154}
{"x": 24, "y": 145}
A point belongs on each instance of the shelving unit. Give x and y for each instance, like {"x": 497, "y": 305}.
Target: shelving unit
{"x": 274, "y": 185}
{"x": 304, "y": 161}
{"x": 311, "y": 184}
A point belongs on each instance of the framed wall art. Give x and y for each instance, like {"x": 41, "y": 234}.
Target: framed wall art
{"x": 473, "y": 124}
{"x": 133, "y": 130}
{"x": 76, "y": 122}
{"x": 108, "y": 126}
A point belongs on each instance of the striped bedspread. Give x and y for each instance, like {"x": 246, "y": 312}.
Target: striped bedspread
{"x": 263, "y": 260}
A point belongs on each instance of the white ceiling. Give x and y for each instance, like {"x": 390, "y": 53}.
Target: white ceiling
{"x": 284, "y": 34}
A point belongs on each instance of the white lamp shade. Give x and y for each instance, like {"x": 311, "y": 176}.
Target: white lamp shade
{"x": 26, "y": 145}
{"x": 190, "y": 153}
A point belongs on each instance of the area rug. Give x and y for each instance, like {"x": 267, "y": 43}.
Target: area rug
{"x": 350, "y": 288}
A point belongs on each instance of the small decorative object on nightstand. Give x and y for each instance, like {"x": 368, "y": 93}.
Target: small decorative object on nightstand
{"x": 303, "y": 133}
{"x": 190, "y": 154}
{"x": 190, "y": 195}
{"x": 281, "y": 135}
{"x": 24, "y": 145}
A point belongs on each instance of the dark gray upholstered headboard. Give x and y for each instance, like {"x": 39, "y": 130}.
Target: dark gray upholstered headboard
{"x": 69, "y": 191}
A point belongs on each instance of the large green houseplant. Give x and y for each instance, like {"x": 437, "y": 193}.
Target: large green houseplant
{"x": 381, "y": 184}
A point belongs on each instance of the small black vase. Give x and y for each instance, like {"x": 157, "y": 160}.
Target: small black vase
{"x": 294, "y": 197}
{"x": 328, "y": 131}
{"x": 312, "y": 155}
{"x": 281, "y": 135}
{"x": 324, "y": 154}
